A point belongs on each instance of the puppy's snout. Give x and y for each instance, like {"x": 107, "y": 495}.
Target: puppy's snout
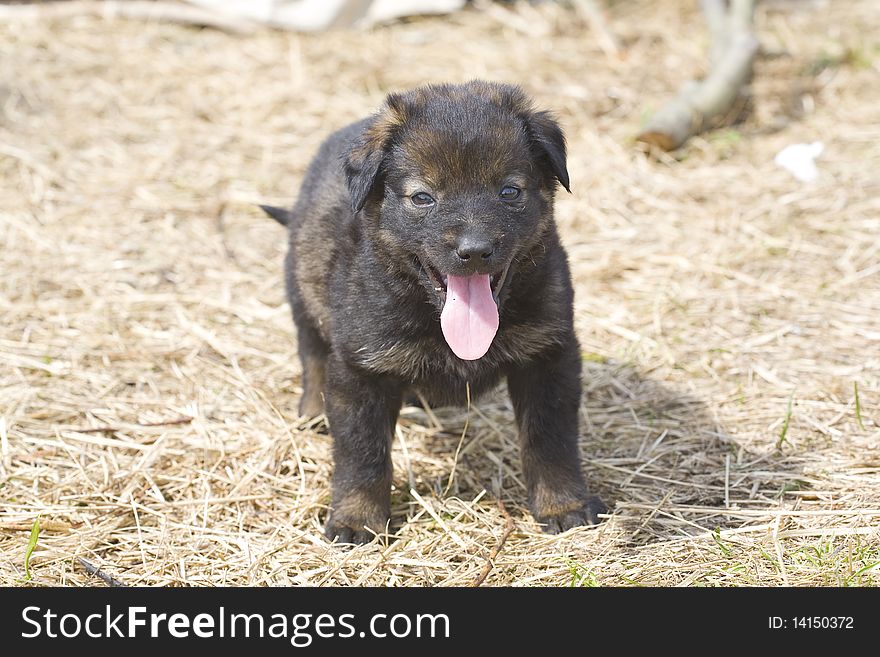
{"x": 473, "y": 249}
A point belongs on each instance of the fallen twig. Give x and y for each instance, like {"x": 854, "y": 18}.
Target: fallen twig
{"x": 508, "y": 530}
{"x": 111, "y": 429}
{"x": 92, "y": 569}
{"x": 45, "y": 525}
{"x": 605, "y": 38}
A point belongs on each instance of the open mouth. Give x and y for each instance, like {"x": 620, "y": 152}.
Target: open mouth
{"x": 469, "y": 316}
{"x": 439, "y": 281}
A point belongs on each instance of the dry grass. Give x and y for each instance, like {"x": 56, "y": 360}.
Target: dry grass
{"x": 148, "y": 380}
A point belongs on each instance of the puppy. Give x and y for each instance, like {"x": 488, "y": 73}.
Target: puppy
{"x": 424, "y": 257}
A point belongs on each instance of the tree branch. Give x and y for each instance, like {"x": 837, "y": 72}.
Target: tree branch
{"x": 169, "y": 12}
{"x": 699, "y": 105}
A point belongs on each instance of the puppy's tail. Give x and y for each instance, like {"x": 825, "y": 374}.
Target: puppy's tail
{"x": 281, "y": 215}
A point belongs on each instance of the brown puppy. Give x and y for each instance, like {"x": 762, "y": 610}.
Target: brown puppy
{"x": 424, "y": 256}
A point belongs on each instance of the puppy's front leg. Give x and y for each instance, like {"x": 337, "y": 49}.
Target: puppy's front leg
{"x": 546, "y": 396}
{"x": 362, "y": 410}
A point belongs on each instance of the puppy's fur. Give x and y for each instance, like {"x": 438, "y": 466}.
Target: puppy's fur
{"x": 365, "y": 273}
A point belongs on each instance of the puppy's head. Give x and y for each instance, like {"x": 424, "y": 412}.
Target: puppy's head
{"x": 457, "y": 183}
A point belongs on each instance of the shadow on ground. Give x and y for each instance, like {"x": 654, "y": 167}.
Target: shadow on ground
{"x": 659, "y": 457}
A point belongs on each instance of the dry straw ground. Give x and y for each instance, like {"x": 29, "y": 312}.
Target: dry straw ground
{"x": 148, "y": 380}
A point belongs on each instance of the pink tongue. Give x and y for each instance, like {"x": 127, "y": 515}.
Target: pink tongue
{"x": 470, "y": 317}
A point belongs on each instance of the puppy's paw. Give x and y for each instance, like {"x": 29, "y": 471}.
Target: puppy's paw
{"x": 347, "y": 533}
{"x": 564, "y": 519}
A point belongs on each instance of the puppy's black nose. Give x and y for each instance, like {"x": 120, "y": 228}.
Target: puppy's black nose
{"x": 471, "y": 248}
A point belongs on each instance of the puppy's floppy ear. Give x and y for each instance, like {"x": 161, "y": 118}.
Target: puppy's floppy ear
{"x": 363, "y": 163}
{"x": 548, "y": 140}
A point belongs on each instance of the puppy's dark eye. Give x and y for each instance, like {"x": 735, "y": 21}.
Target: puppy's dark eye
{"x": 422, "y": 200}
{"x": 510, "y": 193}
